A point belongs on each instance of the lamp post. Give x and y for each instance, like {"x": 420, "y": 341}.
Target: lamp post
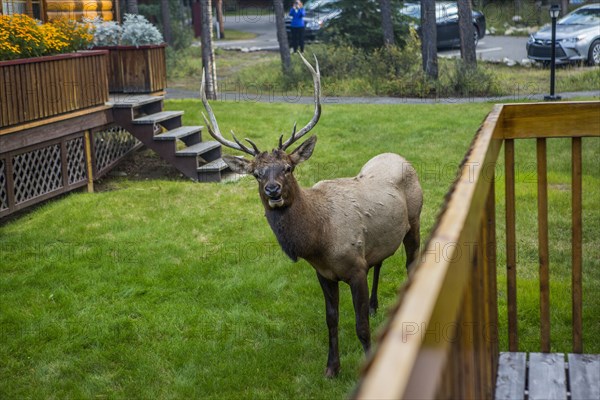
{"x": 554, "y": 12}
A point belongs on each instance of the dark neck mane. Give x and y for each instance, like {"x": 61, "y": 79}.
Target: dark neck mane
{"x": 300, "y": 227}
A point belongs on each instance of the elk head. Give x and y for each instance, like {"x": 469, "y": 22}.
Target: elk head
{"x": 273, "y": 170}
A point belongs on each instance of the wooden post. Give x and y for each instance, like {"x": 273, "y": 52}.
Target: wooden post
{"x": 88, "y": 159}
{"x": 576, "y": 242}
{"x": 489, "y": 290}
{"x": 543, "y": 245}
{"x": 117, "y": 10}
{"x": 511, "y": 249}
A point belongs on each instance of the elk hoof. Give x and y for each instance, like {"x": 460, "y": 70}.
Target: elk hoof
{"x": 332, "y": 372}
{"x": 373, "y": 306}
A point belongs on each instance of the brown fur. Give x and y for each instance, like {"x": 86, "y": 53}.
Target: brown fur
{"x": 342, "y": 227}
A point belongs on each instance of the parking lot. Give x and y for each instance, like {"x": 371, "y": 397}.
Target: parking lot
{"x": 492, "y": 48}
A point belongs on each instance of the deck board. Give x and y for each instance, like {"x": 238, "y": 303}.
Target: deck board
{"x": 510, "y": 384}
{"x": 584, "y": 376}
{"x": 547, "y": 377}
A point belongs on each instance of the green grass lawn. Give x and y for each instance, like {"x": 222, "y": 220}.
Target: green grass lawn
{"x": 172, "y": 289}
{"x": 232, "y": 34}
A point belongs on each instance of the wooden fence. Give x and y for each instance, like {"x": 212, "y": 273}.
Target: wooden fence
{"x": 441, "y": 341}
{"x": 55, "y": 158}
{"x": 36, "y": 88}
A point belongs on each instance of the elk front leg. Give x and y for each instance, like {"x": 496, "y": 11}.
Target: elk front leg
{"x": 331, "y": 291}
{"x": 360, "y": 298}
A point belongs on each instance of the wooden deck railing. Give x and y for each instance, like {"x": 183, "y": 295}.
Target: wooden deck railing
{"x": 42, "y": 87}
{"x": 442, "y": 339}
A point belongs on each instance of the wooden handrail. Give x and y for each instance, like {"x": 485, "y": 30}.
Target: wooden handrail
{"x": 546, "y": 120}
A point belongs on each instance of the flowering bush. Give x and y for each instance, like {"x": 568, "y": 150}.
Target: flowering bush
{"x": 21, "y": 37}
{"x": 136, "y": 31}
{"x": 67, "y": 35}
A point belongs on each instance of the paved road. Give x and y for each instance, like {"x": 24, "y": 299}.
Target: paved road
{"x": 295, "y": 98}
{"x": 261, "y": 25}
{"x": 496, "y": 48}
{"x": 490, "y": 47}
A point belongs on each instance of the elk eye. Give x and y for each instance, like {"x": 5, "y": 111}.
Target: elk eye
{"x": 288, "y": 169}
{"x": 258, "y": 174}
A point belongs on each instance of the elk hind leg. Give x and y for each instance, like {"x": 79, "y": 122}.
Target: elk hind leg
{"x": 412, "y": 242}
{"x": 373, "y": 303}
{"x": 360, "y": 298}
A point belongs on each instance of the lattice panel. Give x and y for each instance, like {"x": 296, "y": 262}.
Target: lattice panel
{"x": 75, "y": 161}
{"x": 3, "y": 190}
{"x": 112, "y": 144}
{"x": 36, "y": 173}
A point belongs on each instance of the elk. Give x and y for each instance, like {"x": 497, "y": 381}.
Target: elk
{"x": 342, "y": 227}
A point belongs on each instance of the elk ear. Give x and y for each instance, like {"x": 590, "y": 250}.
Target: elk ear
{"x": 304, "y": 151}
{"x": 239, "y": 165}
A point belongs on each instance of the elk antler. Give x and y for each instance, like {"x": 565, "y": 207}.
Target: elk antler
{"x": 316, "y": 74}
{"x": 213, "y": 128}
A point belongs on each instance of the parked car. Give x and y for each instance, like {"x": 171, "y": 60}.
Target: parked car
{"x": 319, "y": 13}
{"x": 446, "y": 15}
{"x": 577, "y": 38}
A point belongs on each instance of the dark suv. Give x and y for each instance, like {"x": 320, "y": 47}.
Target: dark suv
{"x": 446, "y": 15}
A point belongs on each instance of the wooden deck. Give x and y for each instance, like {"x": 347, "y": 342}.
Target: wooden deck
{"x": 548, "y": 376}
{"x": 456, "y": 290}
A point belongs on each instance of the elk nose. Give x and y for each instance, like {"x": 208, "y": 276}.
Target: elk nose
{"x": 273, "y": 190}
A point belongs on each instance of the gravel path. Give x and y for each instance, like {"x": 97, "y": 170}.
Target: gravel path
{"x": 270, "y": 98}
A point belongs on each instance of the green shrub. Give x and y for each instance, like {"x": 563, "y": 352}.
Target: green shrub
{"x": 184, "y": 63}
{"x": 181, "y": 32}
{"x": 467, "y": 82}
{"x": 359, "y": 25}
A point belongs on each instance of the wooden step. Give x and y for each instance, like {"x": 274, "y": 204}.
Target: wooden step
{"x": 132, "y": 101}
{"x": 584, "y": 376}
{"x": 157, "y": 118}
{"x": 198, "y": 149}
{"x": 179, "y": 133}
{"x": 510, "y": 383}
{"x": 547, "y": 379}
{"x": 213, "y": 166}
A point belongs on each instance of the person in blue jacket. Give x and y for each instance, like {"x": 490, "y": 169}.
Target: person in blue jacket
{"x": 297, "y": 25}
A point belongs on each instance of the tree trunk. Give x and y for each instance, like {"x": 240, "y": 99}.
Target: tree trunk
{"x": 467, "y": 33}
{"x": 429, "y": 39}
{"x": 538, "y": 12}
{"x": 166, "y": 21}
{"x": 219, "y": 8}
{"x": 208, "y": 55}
{"x": 284, "y": 47}
{"x": 132, "y": 7}
{"x": 564, "y": 5}
{"x": 387, "y": 24}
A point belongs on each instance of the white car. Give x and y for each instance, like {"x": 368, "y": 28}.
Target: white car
{"x": 577, "y": 38}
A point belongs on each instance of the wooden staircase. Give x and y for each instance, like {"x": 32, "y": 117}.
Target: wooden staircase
{"x": 162, "y": 131}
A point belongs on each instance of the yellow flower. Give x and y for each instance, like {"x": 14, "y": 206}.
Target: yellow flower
{"x": 22, "y": 36}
